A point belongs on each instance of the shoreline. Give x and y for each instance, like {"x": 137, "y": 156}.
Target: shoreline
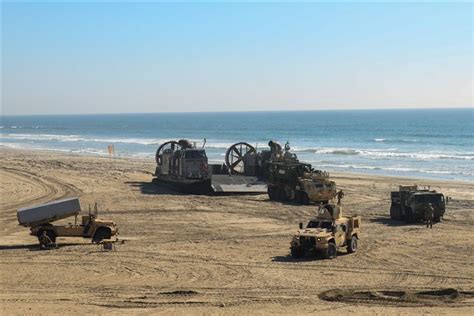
{"x": 335, "y": 174}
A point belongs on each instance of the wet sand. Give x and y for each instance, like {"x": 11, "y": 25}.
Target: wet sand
{"x": 223, "y": 254}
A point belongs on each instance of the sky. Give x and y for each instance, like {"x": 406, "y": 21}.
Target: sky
{"x": 89, "y": 57}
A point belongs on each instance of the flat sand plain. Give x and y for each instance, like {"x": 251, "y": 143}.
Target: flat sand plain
{"x": 190, "y": 254}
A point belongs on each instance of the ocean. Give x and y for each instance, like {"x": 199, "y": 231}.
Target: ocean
{"x": 423, "y": 143}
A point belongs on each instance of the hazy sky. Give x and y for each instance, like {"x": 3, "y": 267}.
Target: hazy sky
{"x": 161, "y": 57}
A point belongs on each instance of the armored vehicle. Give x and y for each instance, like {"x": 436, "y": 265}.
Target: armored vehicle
{"x": 183, "y": 166}
{"x": 286, "y": 177}
{"x": 40, "y": 217}
{"x": 327, "y": 233}
{"x": 410, "y": 202}
{"x": 289, "y": 179}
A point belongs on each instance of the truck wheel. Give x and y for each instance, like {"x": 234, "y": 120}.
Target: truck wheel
{"x": 352, "y": 247}
{"x": 302, "y": 197}
{"x": 101, "y": 233}
{"x": 331, "y": 251}
{"x": 271, "y": 193}
{"x": 437, "y": 219}
{"x": 297, "y": 252}
{"x": 51, "y": 234}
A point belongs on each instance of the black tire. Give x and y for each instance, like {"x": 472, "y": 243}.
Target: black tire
{"x": 50, "y": 233}
{"x": 352, "y": 246}
{"x": 284, "y": 194}
{"x": 297, "y": 252}
{"x": 271, "y": 193}
{"x": 437, "y": 219}
{"x": 331, "y": 251}
{"x": 101, "y": 233}
{"x": 302, "y": 197}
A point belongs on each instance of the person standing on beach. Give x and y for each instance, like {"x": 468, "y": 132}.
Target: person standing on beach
{"x": 429, "y": 213}
{"x": 339, "y": 195}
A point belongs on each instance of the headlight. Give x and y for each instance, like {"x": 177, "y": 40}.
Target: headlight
{"x": 319, "y": 239}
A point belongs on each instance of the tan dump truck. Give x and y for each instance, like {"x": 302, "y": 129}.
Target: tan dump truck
{"x": 40, "y": 217}
{"x": 327, "y": 233}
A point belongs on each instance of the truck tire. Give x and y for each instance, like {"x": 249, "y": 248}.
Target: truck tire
{"x": 302, "y": 197}
{"x": 101, "y": 233}
{"x": 50, "y": 233}
{"x": 352, "y": 246}
{"x": 283, "y": 194}
{"x": 331, "y": 251}
{"x": 271, "y": 193}
{"x": 297, "y": 252}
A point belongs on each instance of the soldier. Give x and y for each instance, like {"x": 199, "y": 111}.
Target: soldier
{"x": 45, "y": 241}
{"x": 429, "y": 214}
{"x": 339, "y": 195}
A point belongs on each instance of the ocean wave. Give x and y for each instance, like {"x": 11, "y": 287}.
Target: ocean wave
{"x": 395, "y": 141}
{"x": 397, "y": 169}
{"x": 78, "y": 138}
{"x": 108, "y": 140}
{"x": 389, "y": 153}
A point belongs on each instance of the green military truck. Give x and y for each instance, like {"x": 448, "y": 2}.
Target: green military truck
{"x": 410, "y": 201}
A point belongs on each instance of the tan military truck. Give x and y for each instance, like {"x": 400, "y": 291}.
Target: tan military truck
{"x": 327, "y": 233}
{"x": 40, "y": 217}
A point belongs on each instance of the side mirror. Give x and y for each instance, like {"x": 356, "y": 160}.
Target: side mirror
{"x": 301, "y": 225}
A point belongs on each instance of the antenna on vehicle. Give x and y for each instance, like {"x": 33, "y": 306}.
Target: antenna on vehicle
{"x": 204, "y": 144}
{"x": 95, "y": 209}
{"x": 89, "y": 209}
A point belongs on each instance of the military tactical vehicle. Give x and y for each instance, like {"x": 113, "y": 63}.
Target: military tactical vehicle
{"x": 40, "y": 217}
{"x": 410, "y": 201}
{"x": 289, "y": 179}
{"x": 183, "y": 166}
{"x": 326, "y": 233}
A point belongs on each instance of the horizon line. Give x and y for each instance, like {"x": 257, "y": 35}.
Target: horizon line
{"x": 244, "y": 111}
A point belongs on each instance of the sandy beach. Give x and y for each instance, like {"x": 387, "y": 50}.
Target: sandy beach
{"x": 223, "y": 254}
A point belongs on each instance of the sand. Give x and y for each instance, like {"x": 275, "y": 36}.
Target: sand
{"x": 223, "y": 254}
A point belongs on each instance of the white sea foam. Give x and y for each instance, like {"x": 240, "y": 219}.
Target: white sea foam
{"x": 396, "y": 169}
{"x": 380, "y": 139}
{"x": 389, "y": 153}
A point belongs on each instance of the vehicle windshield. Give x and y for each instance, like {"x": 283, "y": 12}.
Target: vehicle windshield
{"x": 320, "y": 224}
{"x": 428, "y": 198}
{"x": 193, "y": 154}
